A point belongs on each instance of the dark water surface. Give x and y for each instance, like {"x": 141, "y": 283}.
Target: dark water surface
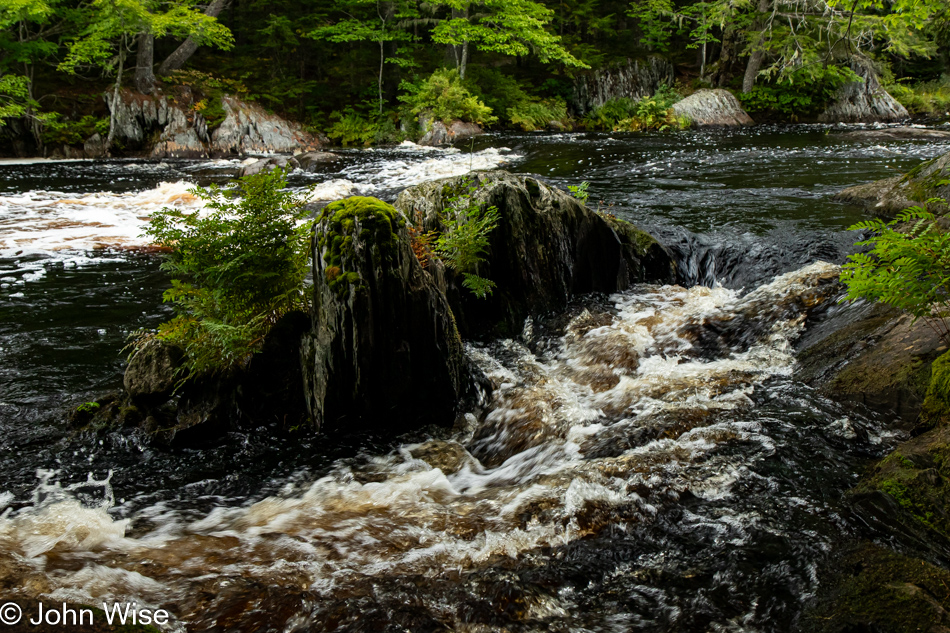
{"x": 630, "y": 475}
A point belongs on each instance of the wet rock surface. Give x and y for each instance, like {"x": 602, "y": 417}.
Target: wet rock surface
{"x": 711, "y": 108}
{"x": 888, "y": 197}
{"x": 546, "y": 248}
{"x": 384, "y": 352}
{"x": 438, "y": 133}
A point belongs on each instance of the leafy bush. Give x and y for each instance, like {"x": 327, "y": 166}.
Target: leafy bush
{"x": 237, "y": 267}
{"x": 908, "y": 267}
{"x": 804, "y": 92}
{"x": 443, "y": 96}
{"x": 629, "y": 115}
{"x": 580, "y": 191}
{"x": 352, "y": 128}
{"x": 532, "y": 115}
{"x": 56, "y": 131}
{"x": 923, "y": 99}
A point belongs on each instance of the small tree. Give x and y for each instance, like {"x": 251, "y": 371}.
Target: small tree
{"x": 509, "y": 27}
{"x": 236, "y": 267}
{"x": 908, "y": 266}
{"x": 112, "y": 25}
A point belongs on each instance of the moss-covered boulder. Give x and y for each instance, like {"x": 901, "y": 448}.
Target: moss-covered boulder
{"x": 384, "y": 352}
{"x": 873, "y": 355}
{"x": 869, "y": 589}
{"x": 886, "y": 198}
{"x": 546, "y": 248}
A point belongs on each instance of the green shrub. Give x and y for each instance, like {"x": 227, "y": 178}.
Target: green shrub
{"x": 56, "y": 131}
{"x": 443, "y": 96}
{"x": 237, "y": 267}
{"x": 537, "y": 114}
{"x": 908, "y": 267}
{"x": 629, "y": 115}
{"x": 607, "y": 116}
{"x": 931, "y": 98}
{"x": 351, "y": 127}
{"x": 580, "y": 191}
{"x": 802, "y": 93}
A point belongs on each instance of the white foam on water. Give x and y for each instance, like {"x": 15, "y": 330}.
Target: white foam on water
{"x": 422, "y": 164}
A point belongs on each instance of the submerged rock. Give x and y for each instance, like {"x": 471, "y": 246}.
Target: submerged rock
{"x": 311, "y": 161}
{"x": 864, "y": 101}
{"x": 716, "y": 107}
{"x": 266, "y": 164}
{"x": 633, "y": 80}
{"x": 384, "y": 352}
{"x": 449, "y": 457}
{"x": 546, "y": 248}
{"x": 888, "y": 197}
{"x": 903, "y": 132}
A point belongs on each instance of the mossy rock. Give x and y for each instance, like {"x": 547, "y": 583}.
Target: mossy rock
{"x": 871, "y": 589}
{"x": 345, "y": 224}
{"x": 886, "y": 198}
{"x": 936, "y": 408}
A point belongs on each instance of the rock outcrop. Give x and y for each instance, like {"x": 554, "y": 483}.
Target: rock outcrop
{"x": 864, "y": 101}
{"x": 384, "y": 352}
{"x": 163, "y": 128}
{"x": 546, "y": 248}
{"x": 634, "y": 79}
{"x": 438, "y": 133}
{"x": 886, "y": 198}
{"x": 900, "y": 133}
{"x": 716, "y": 107}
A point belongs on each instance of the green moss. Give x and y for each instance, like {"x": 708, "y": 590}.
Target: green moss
{"x": 641, "y": 241}
{"x": 873, "y": 589}
{"x": 936, "y": 409}
{"x": 369, "y": 221}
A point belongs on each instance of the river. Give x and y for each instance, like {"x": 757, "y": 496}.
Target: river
{"x": 634, "y": 472}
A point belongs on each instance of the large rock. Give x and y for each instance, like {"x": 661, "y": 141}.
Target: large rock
{"x": 384, "y": 353}
{"x": 151, "y": 375}
{"x": 712, "y": 108}
{"x": 634, "y": 79}
{"x": 163, "y": 128}
{"x": 886, "y": 198}
{"x": 863, "y": 101}
{"x": 546, "y": 248}
{"x": 438, "y": 133}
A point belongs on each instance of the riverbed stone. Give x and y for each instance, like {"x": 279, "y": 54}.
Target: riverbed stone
{"x": 547, "y": 248}
{"x": 448, "y": 456}
{"x": 151, "y": 375}
{"x": 438, "y": 133}
{"x": 712, "y": 108}
{"x": 888, "y": 197}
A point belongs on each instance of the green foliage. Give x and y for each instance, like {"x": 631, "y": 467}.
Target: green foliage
{"x": 237, "y": 267}
{"x": 14, "y": 97}
{"x": 209, "y": 93}
{"x": 799, "y": 93}
{"x": 464, "y": 239}
{"x": 630, "y": 115}
{"x": 57, "y": 131}
{"x": 88, "y": 407}
{"x": 444, "y": 97}
{"x": 350, "y": 127}
{"x": 908, "y": 266}
{"x": 536, "y": 114}
{"x": 930, "y": 98}
{"x": 580, "y": 191}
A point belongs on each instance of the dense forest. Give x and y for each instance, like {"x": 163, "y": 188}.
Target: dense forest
{"x": 364, "y": 70}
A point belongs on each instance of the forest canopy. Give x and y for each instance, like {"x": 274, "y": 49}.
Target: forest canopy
{"x": 354, "y": 66}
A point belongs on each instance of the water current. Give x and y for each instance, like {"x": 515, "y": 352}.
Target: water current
{"x": 649, "y": 463}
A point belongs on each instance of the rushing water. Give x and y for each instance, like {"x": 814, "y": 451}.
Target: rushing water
{"x": 649, "y": 461}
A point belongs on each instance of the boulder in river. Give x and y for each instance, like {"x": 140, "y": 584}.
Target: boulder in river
{"x": 708, "y": 108}
{"x": 864, "y": 101}
{"x": 384, "y": 352}
{"x": 888, "y": 197}
{"x": 438, "y": 133}
{"x": 546, "y": 248}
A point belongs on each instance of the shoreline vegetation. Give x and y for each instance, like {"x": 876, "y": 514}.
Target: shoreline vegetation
{"x": 375, "y": 73}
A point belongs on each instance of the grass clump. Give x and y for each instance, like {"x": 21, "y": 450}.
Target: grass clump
{"x": 237, "y": 266}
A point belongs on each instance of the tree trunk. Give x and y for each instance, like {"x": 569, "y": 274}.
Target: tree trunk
{"x": 382, "y": 60}
{"x": 758, "y": 52}
{"x": 144, "y": 61}
{"x": 115, "y": 96}
{"x": 464, "y": 60}
{"x": 181, "y": 54}
{"x": 727, "y": 52}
